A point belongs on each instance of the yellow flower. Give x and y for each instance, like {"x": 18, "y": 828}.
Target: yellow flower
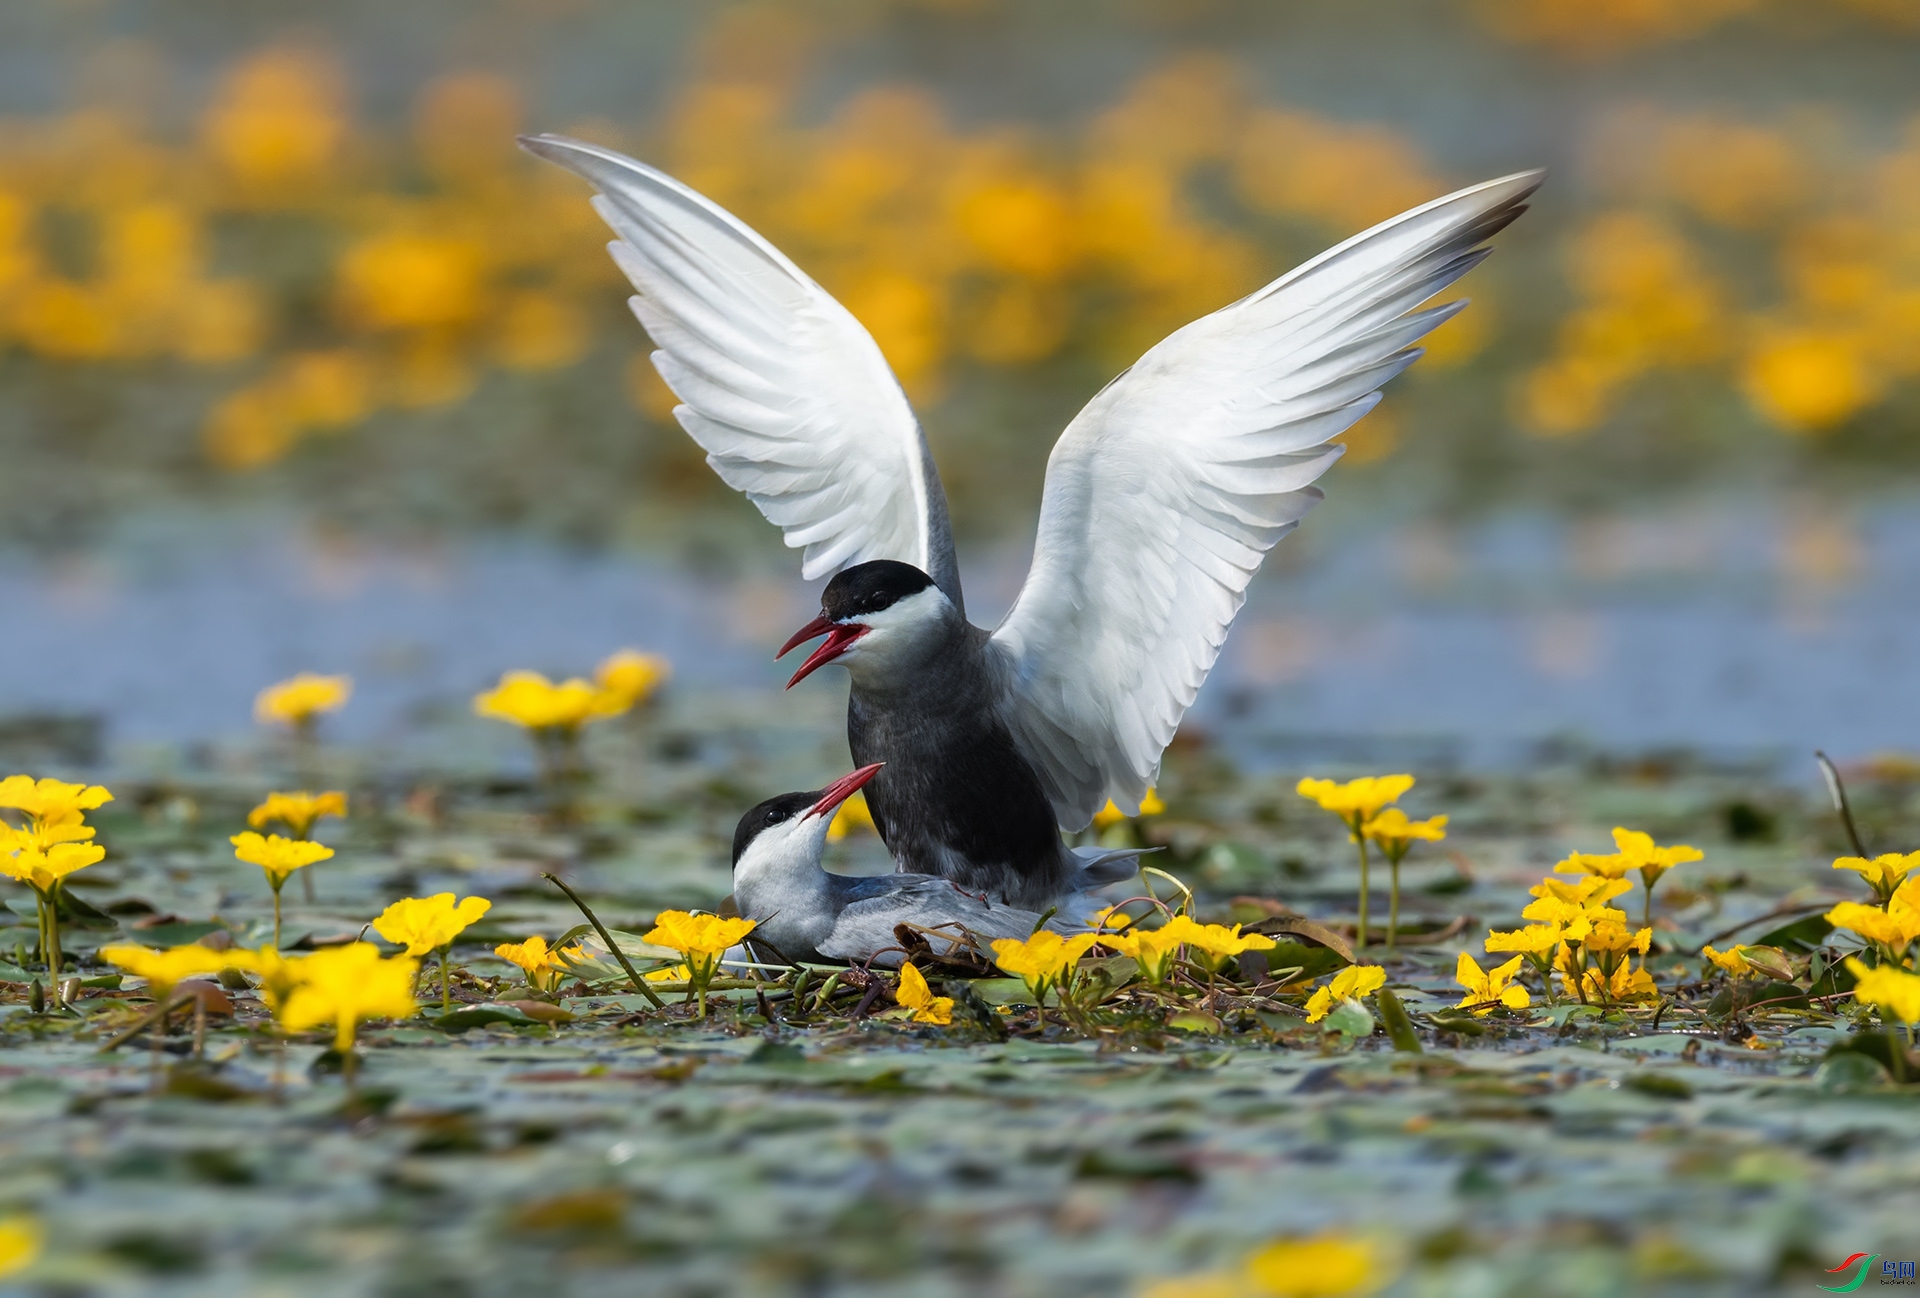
{"x": 1112, "y": 815}
{"x": 1894, "y": 990}
{"x": 342, "y": 985}
{"x": 297, "y": 811}
{"x": 1487, "y": 989}
{"x": 1534, "y": 939}
{"x": 1212, "y": 945}
{"x": 423, "y": 924}
{"x": 1594, "y": 890}
{"x": 42, "y": 868}
{"x": 629, "y": 678}
{"x": 531, "y": 700}
{"x": 1324, "y": 1266}
{"x": 853, "y": 814}
{"x": 298, "y": 701}
{"x": 163, "y": 970}
{"x": 1355, "y": 982}
{"x": 20, "y": 1242}
{"x": 1152, "y": 948}
{"x": 1111, "y": 918}
{"x": 915, "y": 995}
{"x": 702, "y": 939}
{"x": 278, "y": 856}
{"x": 1612, "y": 936}
{"x": 1650, "y": 859}
{"x": 1395, "y": 833}
{"x": 1730, "y": 960}
{"x": 1625, "y": 983}
{"x": 698, "y": 937}
{"x": 278, "y": 975}
{"x": 1043, "y": 959}
{"x": 45, "y": 833}
{"x": 1356, "y": 801}
{"x": 1606, "y": 867}
{"x": 1894, "y": 928}
{"x": 1883, "y": 873}
{"x": 543, "y": 971}
{"x": 50, "y": 800}
{"x": 677, "y": 973}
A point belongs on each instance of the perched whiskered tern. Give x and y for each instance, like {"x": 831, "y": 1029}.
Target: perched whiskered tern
{"x": 805, "y": 913}
{"x": 1161, "y": 499}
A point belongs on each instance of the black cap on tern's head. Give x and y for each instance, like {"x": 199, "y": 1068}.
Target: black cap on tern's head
{"x": 789, "y": 807}
{"x": 774, "y": 811}
{"x": 868, "y": 588}
{"x": 860, "y": 591}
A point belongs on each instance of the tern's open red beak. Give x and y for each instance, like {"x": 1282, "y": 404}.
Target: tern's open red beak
{"x": 811, "y": 631}
{"x": 840, "y": 638}
{"x": 842, "y": 789}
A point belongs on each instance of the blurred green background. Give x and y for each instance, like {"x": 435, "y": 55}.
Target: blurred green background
{"x": 278, "y": 271}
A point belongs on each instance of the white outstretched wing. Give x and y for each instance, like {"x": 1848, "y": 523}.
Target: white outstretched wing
{"x": 786, "y": 392}
{"x": 1168, "y": 489}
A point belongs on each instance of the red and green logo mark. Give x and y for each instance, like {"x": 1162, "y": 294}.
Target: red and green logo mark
{"x": 1865, "y": 1261}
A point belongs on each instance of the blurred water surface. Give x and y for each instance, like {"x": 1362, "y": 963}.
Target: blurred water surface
{"x": 303, "y": 366}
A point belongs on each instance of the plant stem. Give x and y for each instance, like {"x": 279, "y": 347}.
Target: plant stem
{"x": 1360, "y": 839}
{"x": 639, "y": 983}
{"x": 446, "y": 987}
{"x": 1393, "y": 901}
{"x": 54, "y": 958}
{"x": 276, "y": 913}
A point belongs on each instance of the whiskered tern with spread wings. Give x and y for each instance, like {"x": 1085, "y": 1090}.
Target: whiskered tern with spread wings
{"x": 1161, "y": 499}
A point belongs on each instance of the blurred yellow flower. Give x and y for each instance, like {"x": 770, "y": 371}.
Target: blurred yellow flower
{"x": 629, "y": 678}
{"x": 277, "y": 119}
{"x": 163, "y": 970}
{"x": 1611, "y": 937}
{"x": 278, "y": 975}
{"x": 1487, "y": 990}
{"x": 298, "y": 701}
{"x": 1355, "y": 982}
{"x": 297, "y": 811}
{"x": 529, "y": 699}
{"x": 341, "y": 986}
{"x": 914, "y": 994}
{"x": 1112, "y": 815}
{"x": 423, "y": 924}
{"x": 1808, "y": 381}
{"x": 1331, "y": 1265}
{"x": 1355, "y": 801}
{"x": 1894, "y": 990}
{"x": 21, "y": 1239}
{"x": 852, "y": 815}
{"x": 1393, "y": 830}
{"x": 406, "y": 280}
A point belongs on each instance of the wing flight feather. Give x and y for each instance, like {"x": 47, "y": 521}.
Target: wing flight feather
{"x": 1167, "y": 490}
{"x": 785, "y": 391}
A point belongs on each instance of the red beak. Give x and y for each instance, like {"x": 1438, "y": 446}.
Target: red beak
{"x": 842, "y": 789}
{"x": 840, "y": 638}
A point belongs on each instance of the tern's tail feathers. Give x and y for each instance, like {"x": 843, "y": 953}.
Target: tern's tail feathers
{"x": 1100, "y": 866}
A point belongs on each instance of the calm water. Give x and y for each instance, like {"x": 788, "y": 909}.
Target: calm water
{"x": 1732, "y": 630}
